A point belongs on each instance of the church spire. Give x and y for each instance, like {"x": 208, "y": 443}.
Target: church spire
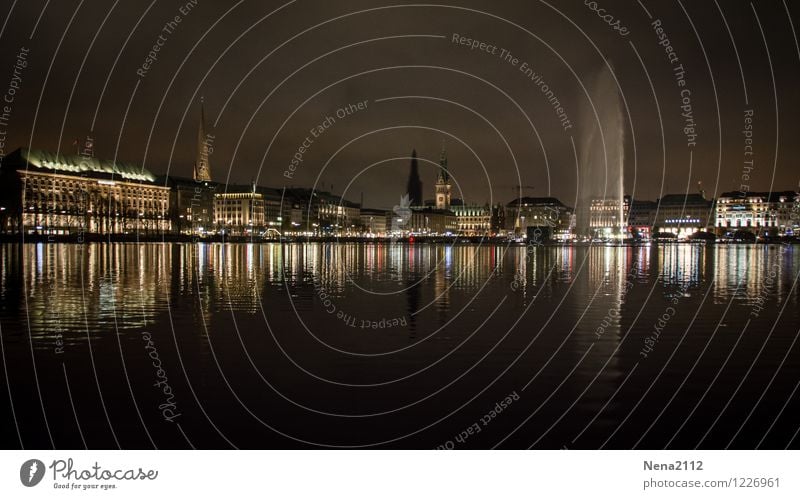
{"x": 443, "y": 187}
{"x": 414, "y": 186}
{"x": 444, "y": 173}
{"x": 202, "y": 166}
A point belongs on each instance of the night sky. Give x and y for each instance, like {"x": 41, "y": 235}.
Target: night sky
{"x": 270, "y": 72}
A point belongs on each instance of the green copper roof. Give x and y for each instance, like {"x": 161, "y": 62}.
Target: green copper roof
{"x": 82, "y": 164}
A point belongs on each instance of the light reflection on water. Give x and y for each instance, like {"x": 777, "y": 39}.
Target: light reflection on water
{"x": 571, "y": 320}
{"x": 94, "y": 287}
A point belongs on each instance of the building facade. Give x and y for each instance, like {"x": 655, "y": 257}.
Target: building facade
{"x": 641, "y": 217}
{"x": 273, "y": 211}
{"x": 191, "y": 204}
{"x": 431, "y": 221}
{"x": 761, "y": 213}
{"x": 608, "y": 217}
{"x": 53, "y": 194}
{"x": 683, "y": 215}
{"x": 375, "y": 222}
{"x": 498, "y": 222}
{"x": 320, "y": 213}
{"x": 473, "y": 219}
{"x": 239, "y": 210}
{"x": 527, "y": 214}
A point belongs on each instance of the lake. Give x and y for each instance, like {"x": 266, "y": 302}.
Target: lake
{"x": 275, "y": 345}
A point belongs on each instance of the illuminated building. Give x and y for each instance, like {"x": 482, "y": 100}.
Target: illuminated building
{"x": 55, "y": 194}
{"x": 191, "y": 204}
{"x": 273, "y": 210}
{"x": 375, "y": 222}
{"x": 320, "y": 213}
{"x": 762, "y": 213}
{"x": 527, "y": 214}
{"x": 473, "y": 220}
{"x": 432, "y": 222}
{"x": 239, "y": 210}
{"x": 683, "y": 214}
{"x": 605, "y": 219}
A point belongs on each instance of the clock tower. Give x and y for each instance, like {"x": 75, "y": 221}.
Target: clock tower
{"x": 443, "y": 186}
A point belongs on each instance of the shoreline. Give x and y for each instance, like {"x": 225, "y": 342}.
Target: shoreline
{"x": 185, "y": 239}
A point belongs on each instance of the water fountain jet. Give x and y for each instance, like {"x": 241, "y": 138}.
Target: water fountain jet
{"x": 600, "y": 209}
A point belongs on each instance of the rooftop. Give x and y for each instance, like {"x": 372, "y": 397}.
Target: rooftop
{"x": 303, "y": 195}
{"x": 535, "y": 201}
{"x": 770, "y": 196}
{"x": 683, "y": 199}
{"x": 75, "y": 164}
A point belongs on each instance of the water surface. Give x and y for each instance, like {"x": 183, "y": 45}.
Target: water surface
{"x": 398, "y": 345}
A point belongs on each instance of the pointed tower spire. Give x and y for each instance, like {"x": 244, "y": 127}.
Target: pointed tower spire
{"x": 443, "y": 187}
{"x": 202, "y": 166}
{"x": 414, "y": 186}
{"x": 444, "y": 173}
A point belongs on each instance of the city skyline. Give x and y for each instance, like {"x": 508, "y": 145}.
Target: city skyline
{"x": 49, "y": 194}
{"x": 165, "y": 120}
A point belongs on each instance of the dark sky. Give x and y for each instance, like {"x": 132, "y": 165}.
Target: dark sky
{"x": 237, "y": 56}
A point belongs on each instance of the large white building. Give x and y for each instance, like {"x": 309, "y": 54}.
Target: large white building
{"x": 762, "y": 213}
{"x": 239, "y": 210}
{"x": 473, "y": 219}
{"x": 45, "y": 193}
{"x": 608, "y": 217}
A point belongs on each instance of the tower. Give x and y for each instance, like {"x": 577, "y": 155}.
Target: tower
{"x": 414, "y": 186}
{"x": 443, "y": 186}
{"x": 202, "y": 167}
